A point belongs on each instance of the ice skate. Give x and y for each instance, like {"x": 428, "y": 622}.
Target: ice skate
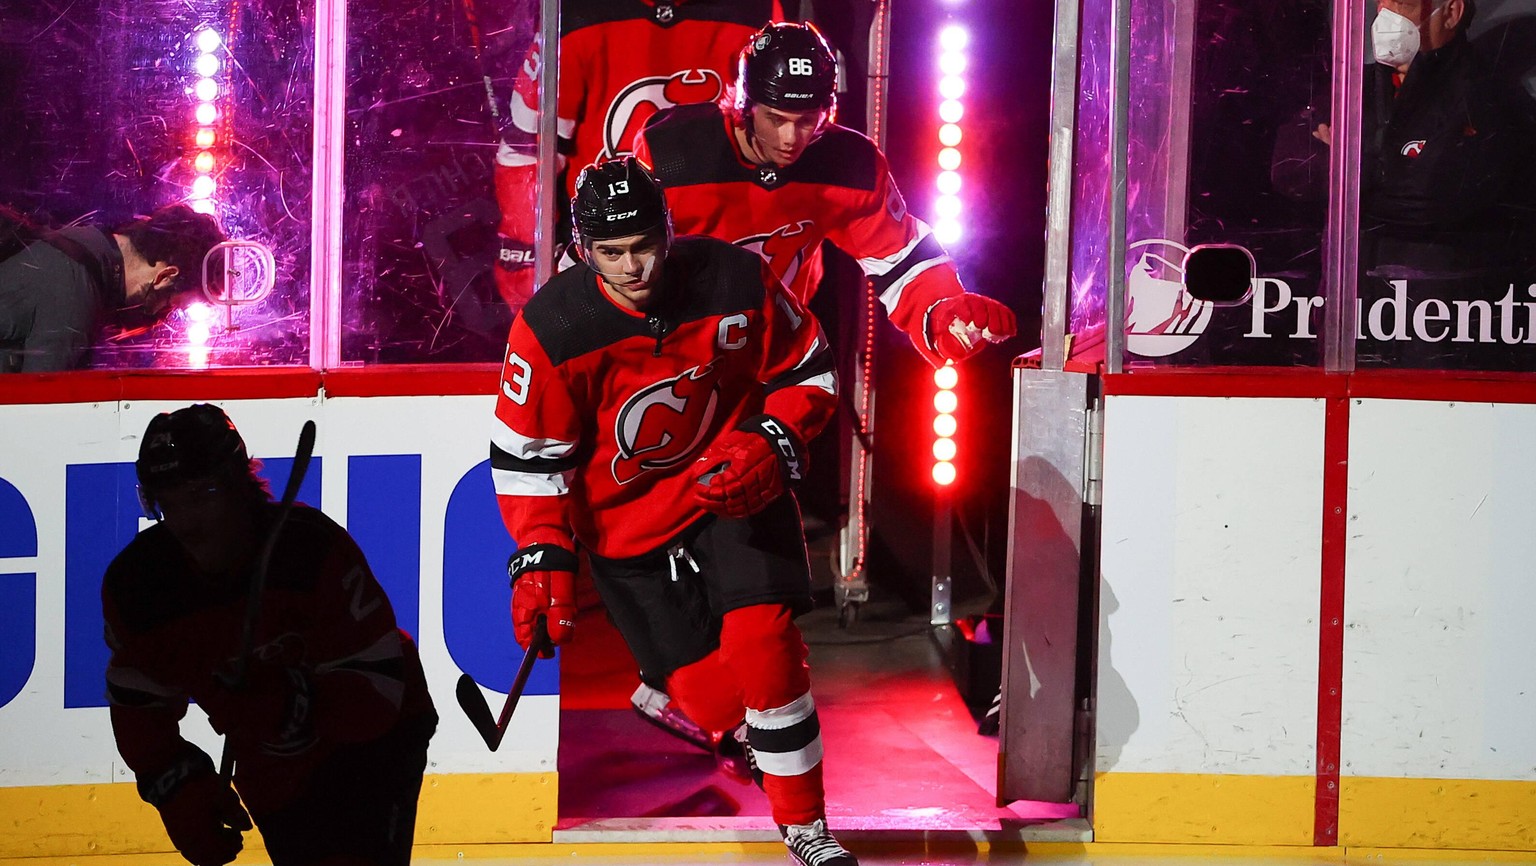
{"x": 812, "y": 845}
{"x": 656, "y": 707}
{"x": 736, "y": 758}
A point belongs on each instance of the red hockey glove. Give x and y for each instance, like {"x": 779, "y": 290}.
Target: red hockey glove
{"x": 543, "y": 581}
{"x": 273, "y": 709}
{"x": 749, "y": 467}
{"x": 202, "y": 814}
{"x": 958, "y": 326}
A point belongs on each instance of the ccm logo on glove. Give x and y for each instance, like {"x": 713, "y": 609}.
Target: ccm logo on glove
{"x": 749, "y": 467}
{"x": 780, "y": 439}
{"x": 546, "y": 557}
{"x": 543, "y": 582}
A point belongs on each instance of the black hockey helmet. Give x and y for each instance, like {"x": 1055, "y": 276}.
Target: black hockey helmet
{"x": 789, "y": 67}
{"x": 187, "y": 445}
{"x": 616, "y": 199}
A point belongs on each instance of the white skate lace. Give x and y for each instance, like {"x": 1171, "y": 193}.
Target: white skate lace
{"x": 812, "y": 843}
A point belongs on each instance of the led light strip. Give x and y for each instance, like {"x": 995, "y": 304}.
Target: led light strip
{"x": 947, "y": 228}
{"x": 952, "y": 63}
{"x": 206, "y": 90}
{"x": 204, "y": 162}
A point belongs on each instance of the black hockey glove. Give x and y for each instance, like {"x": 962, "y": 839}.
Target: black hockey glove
{"x": 202, "y": 814}
{"x": 273, "y": 710}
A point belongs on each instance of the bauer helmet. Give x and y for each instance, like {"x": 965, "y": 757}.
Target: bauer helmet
{"x": 789, "y": 67}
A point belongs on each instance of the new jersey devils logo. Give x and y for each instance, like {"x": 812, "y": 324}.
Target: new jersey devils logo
{"x": 662, "y": 424}
{"x": 641, "y": 98}
{"x": 783, "y": 248}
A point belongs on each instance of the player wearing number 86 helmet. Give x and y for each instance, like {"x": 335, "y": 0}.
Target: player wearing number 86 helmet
{"x": 769, "y": 169}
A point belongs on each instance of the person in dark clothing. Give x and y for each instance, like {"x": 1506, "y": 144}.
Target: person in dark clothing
{"x": 61, "y": 289}
{"x": 325, "y": 706}
{"x": 1445, "y": 141}
{"x": 1447, "y": 193}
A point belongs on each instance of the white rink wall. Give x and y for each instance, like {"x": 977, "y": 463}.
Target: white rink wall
{"x": 1439, "y": 689}
{"x": 1208, "y": 647}
{"x": 1209, "y": 585}
{"x": 1212, "y": 595}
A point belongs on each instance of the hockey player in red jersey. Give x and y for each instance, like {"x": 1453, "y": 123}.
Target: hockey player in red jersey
{"x": 770, "y": 169}
{"x": 620, "y": 62}
{"x": 330, "y": 722}
{"x": 654, "y": 409}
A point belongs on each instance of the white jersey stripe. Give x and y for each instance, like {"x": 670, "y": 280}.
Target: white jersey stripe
{"x": 877, "y": 266}
{"x": 892, "y": 295}
{"x": 526, "y": 118}
{"x": 792, "y": 713}
{"x": 529, "y": 448}
{"x": 509, "y": 483}
{"x": 826, "y": 382}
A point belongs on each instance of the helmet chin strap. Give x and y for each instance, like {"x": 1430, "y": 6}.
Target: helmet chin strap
{"x": 645, "y": 271}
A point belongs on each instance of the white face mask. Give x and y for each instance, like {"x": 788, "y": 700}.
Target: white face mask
{"x": 1394, "y": 38}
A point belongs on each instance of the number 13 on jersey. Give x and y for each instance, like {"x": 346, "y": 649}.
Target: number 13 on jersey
{"x": 515, "y": 374}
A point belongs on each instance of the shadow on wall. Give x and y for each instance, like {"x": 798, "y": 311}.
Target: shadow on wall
{"x": 1055, "y": 578}
{"x": 1117, "y": 715}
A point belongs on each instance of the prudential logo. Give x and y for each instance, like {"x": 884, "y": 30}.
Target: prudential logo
{"x": 1161, "y": 318}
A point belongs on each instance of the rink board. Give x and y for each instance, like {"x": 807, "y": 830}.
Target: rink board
{"x": 1207, "y": 675}
{"x": 1439, "y": 742}
{"x": 1210, "y": 672}
{"x": 407, "y": 475}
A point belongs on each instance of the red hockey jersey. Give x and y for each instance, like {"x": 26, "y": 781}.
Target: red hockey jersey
{"x": 839, "y": 190}
{"x": 602, "y": 411}
{"x": 170, "y": 628}
{"x": 623, "y": 60}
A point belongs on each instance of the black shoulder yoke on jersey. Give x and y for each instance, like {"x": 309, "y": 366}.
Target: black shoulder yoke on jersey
{"x": 152, "y": 582}
{"x": 690, "y": 145}
{"x": 576, "y": 14}
{"x": 703, "y": 277}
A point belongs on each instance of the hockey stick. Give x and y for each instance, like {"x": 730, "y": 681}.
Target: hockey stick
{"x": 473, "y": 702}
{"x": 301, "y": 457}
{"x": 485, "y": 72}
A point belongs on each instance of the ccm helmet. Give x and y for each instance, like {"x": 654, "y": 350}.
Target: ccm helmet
{"x": 789, "y": 67}
{"x": 616, "y": 199}
{"x": 187, "y": 445}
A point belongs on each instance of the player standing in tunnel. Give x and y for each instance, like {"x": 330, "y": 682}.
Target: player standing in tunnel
{"x": 769, "y": 168}
{"x": 653, "y": 410}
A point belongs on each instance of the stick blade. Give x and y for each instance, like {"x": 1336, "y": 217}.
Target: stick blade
{"x": 472, "y": 702}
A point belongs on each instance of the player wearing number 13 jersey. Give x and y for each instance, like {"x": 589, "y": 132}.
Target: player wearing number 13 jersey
{"x": 614, "y": 383}
{"x": 654, "y": 408}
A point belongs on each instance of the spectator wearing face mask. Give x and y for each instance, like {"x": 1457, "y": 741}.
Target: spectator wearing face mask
{"x": 1445, "y": 144}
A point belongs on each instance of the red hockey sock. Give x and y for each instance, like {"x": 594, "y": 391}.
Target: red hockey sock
{"x": 764, "y": 649}
{"x": 796, "y": 799}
